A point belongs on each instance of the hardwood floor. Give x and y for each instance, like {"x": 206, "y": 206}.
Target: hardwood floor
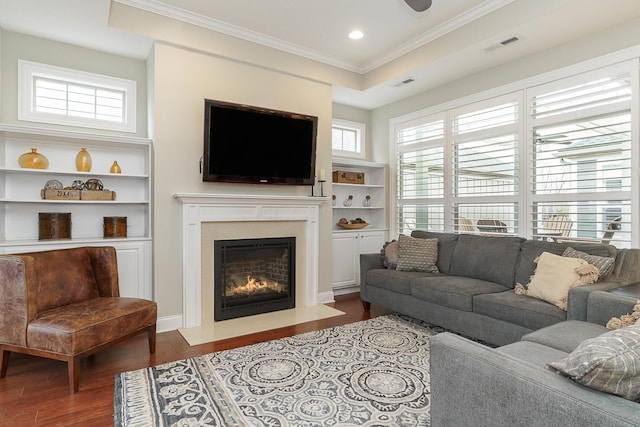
{"x": 35, "y": 390}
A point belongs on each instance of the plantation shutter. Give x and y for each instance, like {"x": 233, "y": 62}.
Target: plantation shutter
{"x": 420, "y": 174}
{"x": 486, "y": 166}
{"x": 581, "y": 155}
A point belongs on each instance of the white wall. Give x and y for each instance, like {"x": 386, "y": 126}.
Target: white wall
{"x": 181, "y": 80}
{"x": 16, "y": 46}
{"x": 608, "y": 41}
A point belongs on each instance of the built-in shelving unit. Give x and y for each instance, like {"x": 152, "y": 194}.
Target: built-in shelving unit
{"x": 21, "y": 202}
{"x": 349, "y": 244}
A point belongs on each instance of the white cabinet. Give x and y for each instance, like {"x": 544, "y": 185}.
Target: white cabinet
{"x": 21, "y": 201}
{"x": 349, "y": 244}
{"x": 347, "y": 247}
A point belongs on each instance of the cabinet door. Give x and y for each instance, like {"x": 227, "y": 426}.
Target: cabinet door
{"x": 345, "y": 251}
{"x": 371, "y": 242}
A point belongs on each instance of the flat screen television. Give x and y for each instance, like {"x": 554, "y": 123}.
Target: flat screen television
{"x": 248, "y": 144}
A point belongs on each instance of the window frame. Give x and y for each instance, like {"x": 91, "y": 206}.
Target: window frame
{"x": 360, "y": 131}
{"x": 29, "y": 72}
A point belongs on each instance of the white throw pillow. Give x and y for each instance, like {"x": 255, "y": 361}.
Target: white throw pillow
{"x": 555, "y": 275}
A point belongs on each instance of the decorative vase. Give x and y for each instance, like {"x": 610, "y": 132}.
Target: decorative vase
{"x": 367, "y": 201}
{"x": 115, "y": 167}
{"x": 83, "y": 160}
{"x": 347, "y": 202}
{"x": 33, "y": 160}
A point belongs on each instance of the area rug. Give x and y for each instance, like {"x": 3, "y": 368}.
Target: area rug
{"x": 370, "y": 373}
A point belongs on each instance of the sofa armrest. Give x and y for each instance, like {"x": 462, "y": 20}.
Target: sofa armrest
{"x": 18, "y": 292}
{"x": 472, "y": 384}
{"x": 577, "y": 302}
{"x": 368, "y": 262}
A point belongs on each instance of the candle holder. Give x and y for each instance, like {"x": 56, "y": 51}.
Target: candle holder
{"x": 321, "y": 181}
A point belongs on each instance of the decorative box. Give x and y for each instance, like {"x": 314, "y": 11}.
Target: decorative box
{"x": 345, "y": 177}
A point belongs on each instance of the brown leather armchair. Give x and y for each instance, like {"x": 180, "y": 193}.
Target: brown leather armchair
{"x": 65, "y": 304}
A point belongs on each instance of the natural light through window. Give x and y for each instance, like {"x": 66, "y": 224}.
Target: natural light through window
{"x": 64, "y": 96}
{"x": 347, "y": 138}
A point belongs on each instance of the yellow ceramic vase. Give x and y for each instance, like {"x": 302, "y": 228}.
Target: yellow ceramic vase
{"x": 115, "y": 167}
{"x": 83, "y": 160}
{"x": 33, "y": 160}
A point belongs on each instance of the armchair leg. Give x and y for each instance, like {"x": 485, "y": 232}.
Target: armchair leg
{"x": 4, "y": 362}
{"x": 366, "y": 305}
{"x": 73, "y": 368}
{"x": 151, "y": 332}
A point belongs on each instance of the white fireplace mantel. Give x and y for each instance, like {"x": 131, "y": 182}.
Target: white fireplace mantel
{"x": 198, "y": 208}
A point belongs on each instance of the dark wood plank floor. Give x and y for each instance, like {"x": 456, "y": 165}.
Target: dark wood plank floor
{"x": 35, "y": 390}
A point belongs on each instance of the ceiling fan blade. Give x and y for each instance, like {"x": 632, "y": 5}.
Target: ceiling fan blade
{"x": 419, "y": 5}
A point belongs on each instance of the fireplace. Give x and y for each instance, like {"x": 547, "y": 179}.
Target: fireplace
{"x": 253, "y": 276}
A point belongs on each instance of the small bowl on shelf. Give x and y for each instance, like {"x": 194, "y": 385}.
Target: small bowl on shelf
{"x": 354, "y": 226}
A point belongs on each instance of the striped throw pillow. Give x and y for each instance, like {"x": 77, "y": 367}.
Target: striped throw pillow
{"x": 603, "y": 264}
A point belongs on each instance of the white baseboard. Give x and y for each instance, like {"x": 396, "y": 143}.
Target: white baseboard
{"x": 169, "y": 323}
{"x": 347, "y": 290}
{"x": 325, "y": 297}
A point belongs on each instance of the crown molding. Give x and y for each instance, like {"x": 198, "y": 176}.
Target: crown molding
{"x": 216, "y": 25}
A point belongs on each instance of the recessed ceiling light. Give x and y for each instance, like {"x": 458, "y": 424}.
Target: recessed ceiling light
{"x": 356, "y": 35}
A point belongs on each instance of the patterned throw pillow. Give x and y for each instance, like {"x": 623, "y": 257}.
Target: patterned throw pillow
{"x": 390, "y": 254}
{"x": 609, "y": 363}
{"x": 417, "y": 254}
{"x": 603, "y": 264}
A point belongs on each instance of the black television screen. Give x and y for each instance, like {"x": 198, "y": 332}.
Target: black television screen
{"x": 258, "y": 145}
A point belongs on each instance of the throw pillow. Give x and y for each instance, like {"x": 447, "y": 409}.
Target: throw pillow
{"x": 389, "y": 254}
{"x": 625, "y": 319}
{"x": 417, "y": 254}
{"x": 555, "y": 275}
{"x": 609, "y": 363}
{"x": 603, "y": 264}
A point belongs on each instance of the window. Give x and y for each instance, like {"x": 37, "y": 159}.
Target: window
{"x": 421, "y": 175}
{"x": 547, "y": 161}
{"x": 348, "y": 139}
{"x": 581, "y": 155}
{"x": 63, "y": 96}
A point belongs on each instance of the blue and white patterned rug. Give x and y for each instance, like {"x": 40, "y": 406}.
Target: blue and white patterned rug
{"x": 369, "y": 373}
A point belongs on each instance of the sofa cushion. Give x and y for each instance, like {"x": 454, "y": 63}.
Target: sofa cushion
{"x": 487, "y": 258}
{"x": 565, "y": 336}
{"x": 555, "y": 275}
{"x": 393, "y": 280}
{"x": 452, "y": 291}
{"x": 446, "y": 246}
{"x": 532, "y": 352}
{"x": 76, "y": 328}
{"x": 520, "y": 310}
{"x": 603, "y": 264}
{"x": 417, "y": 254}
{"x": 65, "y": 276}
{"x": 609, "y": 363}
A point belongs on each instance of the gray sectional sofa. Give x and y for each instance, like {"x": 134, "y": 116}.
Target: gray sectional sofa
{"x": 473, "y": 292}
{"x": 475, "y": 385}
{"x": 507, "y": 382}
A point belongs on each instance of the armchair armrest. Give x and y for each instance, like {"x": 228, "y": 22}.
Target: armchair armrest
{"x": 18, "y": 292}
{"x": 104, "y": 263}
{"x": 472, "y": 384}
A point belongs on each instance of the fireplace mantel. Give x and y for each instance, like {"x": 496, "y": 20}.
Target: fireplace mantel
{"x": 198, "y": 208}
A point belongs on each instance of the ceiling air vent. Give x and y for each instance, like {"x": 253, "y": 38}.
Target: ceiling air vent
{"x": 404, "y": 82}
{"x": 503, "y": 43}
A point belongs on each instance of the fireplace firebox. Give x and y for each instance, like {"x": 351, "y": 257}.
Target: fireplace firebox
{"x": 253, "y": 276}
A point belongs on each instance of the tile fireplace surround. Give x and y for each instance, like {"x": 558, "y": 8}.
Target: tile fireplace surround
{"x": 200, "y": 211}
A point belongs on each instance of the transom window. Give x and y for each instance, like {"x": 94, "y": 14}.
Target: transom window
{"x": 63, "y": 96}
{"x": 347, "y": 138}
